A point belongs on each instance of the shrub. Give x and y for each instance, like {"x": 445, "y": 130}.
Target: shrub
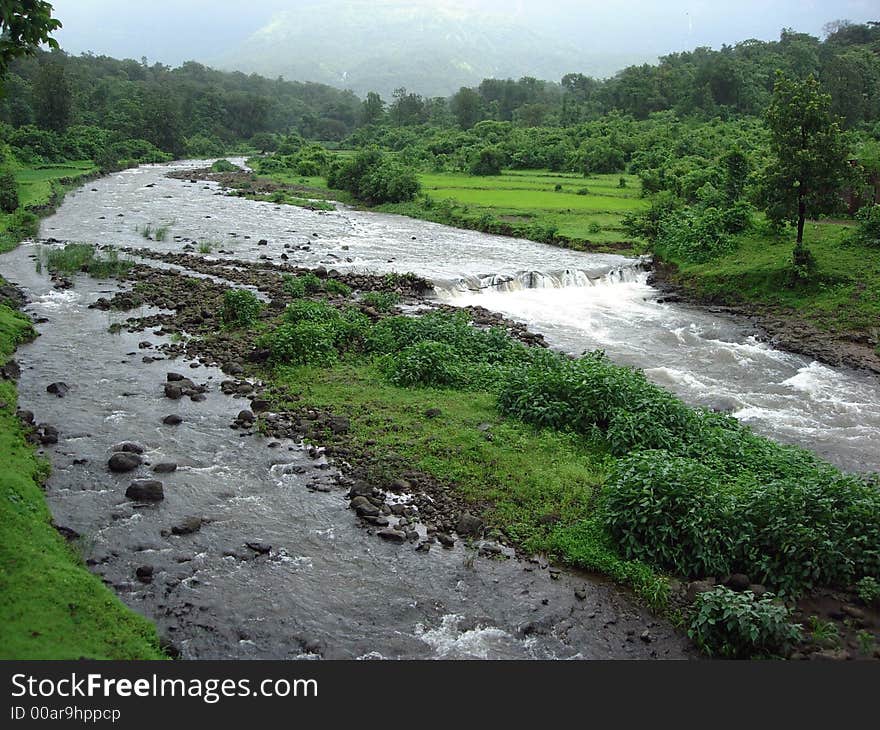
{"x": 669, "y": 512}
{"x": 298, "y": 286}
{"x": 804, "y": 264}
{"x": 8, "y": 192}
{"x": 374, "y": 177}
{"x": 224, "y": 166}
{"x": 334, "y": 286}
{"x": 241, "y": 308}
{"x": 431, "y": 364}
{"x": 489, "y": 161}
{"x": 82, "y": 257}
{"x": 303, "y": 343}
{"x": 740, "y": 626}
{"x": 868, "y": 590}
{"x": 868, "y": 229}
{"x": 380, "y": 301}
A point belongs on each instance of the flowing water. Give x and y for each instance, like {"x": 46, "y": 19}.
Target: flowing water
{"x": 328, "y": 587}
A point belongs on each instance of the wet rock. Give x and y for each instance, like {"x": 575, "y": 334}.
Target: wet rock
{"x": 245, "y": 417}
{"x": 445, "y": 540}
{"x": 469, "y": 525}
{"x": 392, "y": 535}
{"x": 165, "y": 468}
{"x": 259, "y": 405}
{"x": 423, "y": 547}
{"x": 123, "y": 462}
{"x": 59, "y": 389}
{"x": 198, "y": 397}
{"x": 697, "y": 587}
{"x": 738, "y": 582}
{"x": 144, "y": 573}
{"x": 47, "y": 435}
{"x": 172, "y": 420}
{"x": 233, "y": 368}
{"x": 176, "y": 377}
{"x": 189, "y": 526}
{"x": 145, "y": 490}
{"x": 26, "y": 417}
{"x": 339, "y": 424}
{"x": 853, "y": 612}
{"x": 581, "y": 594}
{"x": 364, "y": 507}
{"x": 400, "y": 485}
{"x": 173, "y": 391}
{"x": 129, "y": 447}
{"x": 260, "y": 548}
{"x": 10, "y": 371}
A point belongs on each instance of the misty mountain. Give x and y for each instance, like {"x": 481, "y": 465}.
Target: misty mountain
{"x": 384, "y": 45}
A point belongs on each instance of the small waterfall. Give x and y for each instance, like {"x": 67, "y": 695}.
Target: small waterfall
{"x": 636, "y": 272}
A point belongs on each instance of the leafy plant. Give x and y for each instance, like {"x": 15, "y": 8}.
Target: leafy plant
{"x": 241, "y": 308}
{"x": 380, "y": 301}
{"x": 740, "y": 626}
{"x": 868, "y": 590}
{"x": 303, "y": 343}
{"x": 824, "y": 633}
{"x": 334, "y": 286}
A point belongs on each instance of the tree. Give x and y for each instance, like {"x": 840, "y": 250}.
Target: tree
{"x": 373, "y": 109}
{"x": 811, "y": 161}
{"x": 52, "y": 97}
{"x": 467, "y": 106}
{"x": 24, "y": 25}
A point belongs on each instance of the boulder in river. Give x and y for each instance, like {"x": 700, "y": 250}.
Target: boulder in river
{"x": 469, "y": 526}
{"x": 128, "y": 446}
{"x": 188, "y": 526}
{"x": 165, "y": 468}
{"x": 123, "y": 462}
{"x": 59, "y": 389}
{"x": 172, "y": 420}
{"x": 145, "y": 490}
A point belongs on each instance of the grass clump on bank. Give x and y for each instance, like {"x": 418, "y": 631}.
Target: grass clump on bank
{"x": 51, "y": 607}
{"x": 83, "y": 257}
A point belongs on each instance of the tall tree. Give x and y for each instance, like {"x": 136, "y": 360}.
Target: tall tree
{"x": 52, "y": 96}
{"x": 372, "y": 109}
{"x": 24, "y": 25}
{"x": 811, "y": 161}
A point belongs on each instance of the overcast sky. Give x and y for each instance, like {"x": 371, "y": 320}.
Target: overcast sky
{"x": 173, "y": 31}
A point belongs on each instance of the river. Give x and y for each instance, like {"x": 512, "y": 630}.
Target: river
{"x": 327, "y": 588}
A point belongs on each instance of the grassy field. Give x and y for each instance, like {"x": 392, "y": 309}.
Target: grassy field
{"x": 844, "y": 296}
{"x": 541, "y": 484}
{"x": 51, "y": 606}
{"x": 532, "y": 195}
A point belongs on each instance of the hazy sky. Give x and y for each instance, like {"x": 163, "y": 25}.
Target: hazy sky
{"x": 173, "y": 31}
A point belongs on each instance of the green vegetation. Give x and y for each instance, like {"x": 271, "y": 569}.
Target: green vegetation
{"x": 84, "y": 257}
{"x": 224, "y": 166}
{"x": 241, "y": 308}
{"x": 374, "y": 178}
{"x": 739, "y": 626}
{"x": 51, "y": 607}
{"x": 868, "y": 590}
{"x": 668, "y": 488}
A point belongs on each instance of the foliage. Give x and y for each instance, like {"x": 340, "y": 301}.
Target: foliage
{"x": 298, "y": 286}
{"x": 303, "y": 343}
{"x": 374, "y": 177}
{"x": 867, "y": 231}
{"x": 868, "y": 590}
{"x": 739, "y": 626}
{"x": 24, "y": 26}
{"x": 489, "y": 161}
{"x": 241, "y": 308}
{"x": 8, "y": 192}
{"x": 432, "y": 364}
{"x": 224, "y": 166}
{"x": 84, "y": 257}
{"x": 337, "y": 288}
{"x": 381, "y": 301}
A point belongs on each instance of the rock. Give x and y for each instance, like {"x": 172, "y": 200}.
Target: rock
{"x": 853, "y": 612}
{"x": 123, "y": 462}
{"x": 260, "y": 548}
{"x": 400, "y": 485}
{"x": 738, "y": 582}
{"x": 47, "y": 434}
{"x": 145, "y": 573}
{"x": 129, "y": 447}
{"x": 246, "y": 417}
{"x": 59, "y": 389}
{"x": 697, "y": 587}
{"x": 173, "y": 391}
{"x": 445, "y": 540}
{"x": 172, "y": 420}
{"x": 259, "y": 405}
{"x": 26, "y": 417}
{"x": 198, "y": 397}
{"x": 469, "y": 526}
{"x": 364, "y": 507}
{"x": 165, "y": 468}
{"x": 175, "y": 377}
{"x": 188, "y": 526}
{"x": 145, "y": 490}
{"x": 423, "y": 547}
{"x": 10, "y": 371}
{"x": 646, "y": 636}
{"x": 580, "y": 594}
{"x": 233, "y": 368}
{"x": 392, "y": 535}
{"x": 339, "y": 424}
{"x": 433, "y": 413}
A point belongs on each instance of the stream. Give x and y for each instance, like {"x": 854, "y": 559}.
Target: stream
{"x": 327, "y": 588}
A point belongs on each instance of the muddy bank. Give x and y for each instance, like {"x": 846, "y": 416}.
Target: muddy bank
{"x": 781, "y": 329}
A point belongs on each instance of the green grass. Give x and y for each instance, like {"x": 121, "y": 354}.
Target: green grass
{"x": 51, "y": 607}
{"x": 540, "y": 485}
{"x": 36, "y": 184}
{"x": 844, "y": 297}
{"x": 78, "y": 257}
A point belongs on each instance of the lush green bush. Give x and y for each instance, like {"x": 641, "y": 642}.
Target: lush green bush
{"x": 8, "y": 192}
{"x": 868, "y": 590}
{"x": 334, "y": 286}
{"x": 488, "y": 161}
{"x": 303, "y": 343}
{"x": 241, "y": 308}
{"x": 670, "y": 512}
{"x": 381, "y": 301}
{"x": 740, "y": 626}
{"x": 224, "y": 166}
{"x": 374, "y": 177}
{"x": 432, "y": 364}
{"x": 346, "y": 328}
{"x": 298, "y": 286}
{"x": 868, "y": 229}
